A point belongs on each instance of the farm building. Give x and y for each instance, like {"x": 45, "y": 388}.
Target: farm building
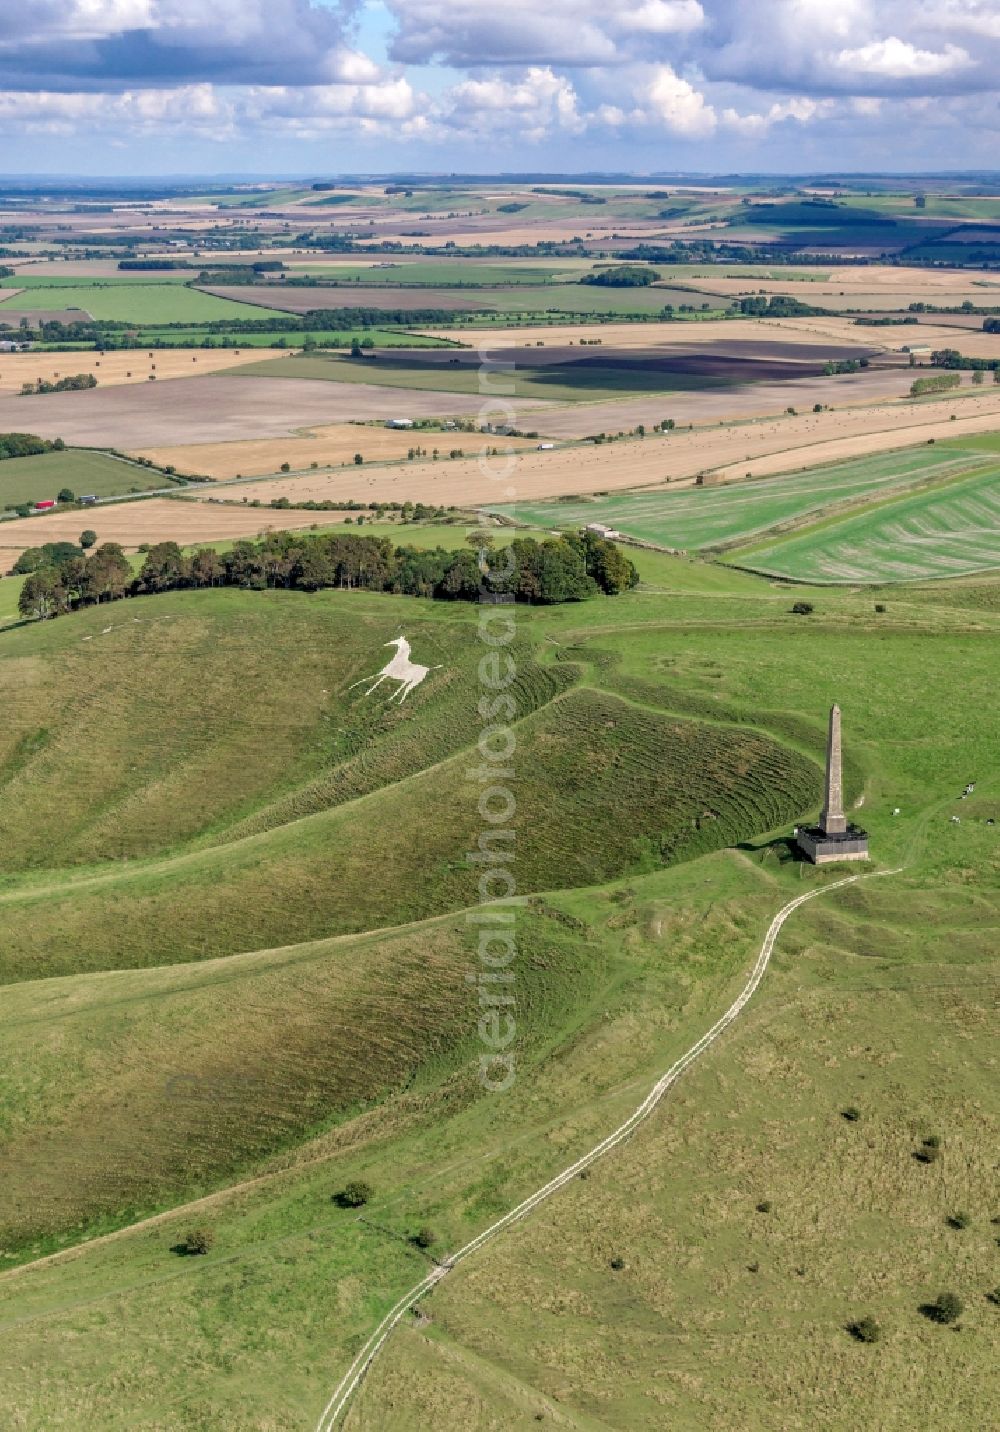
{"x": 44, "y": 504}
{"x": 400, "y": 423}
{"x": 599, "y": 529}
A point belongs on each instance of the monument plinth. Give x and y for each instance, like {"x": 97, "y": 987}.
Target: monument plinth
{"x": 835, "y": 838}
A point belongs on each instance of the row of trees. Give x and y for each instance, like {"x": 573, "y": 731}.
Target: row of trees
{"x": 560, "y": 569}
{"x": 27, "y": 445}
{"x": 952, "y": 358}
{"x": 69, "y": 384}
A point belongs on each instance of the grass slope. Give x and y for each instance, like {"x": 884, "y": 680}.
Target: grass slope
{"x": 304, "y": 1067}
{"x": 607, "y": 788}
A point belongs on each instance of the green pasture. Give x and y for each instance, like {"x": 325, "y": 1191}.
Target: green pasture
{"x": 333, "y": 338}
{"x": 474, "y": 273}
{"x": 944, "y": 532}
{"x": 33, "y": 479}
{"x": 141, "y": 278}
{"x": 706, "y": 517}
{"x": 145, "y": 303}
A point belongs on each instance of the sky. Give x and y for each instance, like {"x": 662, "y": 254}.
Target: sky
{"x": 327, "y": 87}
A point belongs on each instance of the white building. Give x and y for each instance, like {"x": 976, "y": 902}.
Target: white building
{"x": 599, "y": 529}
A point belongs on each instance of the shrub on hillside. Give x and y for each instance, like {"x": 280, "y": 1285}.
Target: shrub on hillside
{"x": 355, "y": 1194}
{"x": 199, "y": 1240}
{"x": 865, "y": 1330}
{"x": 946, "y": 1308}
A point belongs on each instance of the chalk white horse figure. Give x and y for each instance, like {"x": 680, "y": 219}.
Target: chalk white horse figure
{"x": 400, "y": 669}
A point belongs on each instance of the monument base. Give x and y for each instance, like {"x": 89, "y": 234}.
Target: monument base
{"x": 821, "y": 848}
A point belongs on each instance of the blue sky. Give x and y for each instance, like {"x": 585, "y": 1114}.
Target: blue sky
{"x": 332, "y": 86}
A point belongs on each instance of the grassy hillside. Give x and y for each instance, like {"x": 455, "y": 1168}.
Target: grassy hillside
{"x": 189, "y": 1049}
{"x": 608, "y": 787}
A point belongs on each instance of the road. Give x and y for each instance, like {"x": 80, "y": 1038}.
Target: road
{"x": 335, "y": 1409}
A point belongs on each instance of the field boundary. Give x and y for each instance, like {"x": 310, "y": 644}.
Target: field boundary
{"x": 345, "y": 1389}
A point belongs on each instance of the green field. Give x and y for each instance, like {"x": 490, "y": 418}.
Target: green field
{"x": 150, "y": 302}
{"x": 235, "y": 962}
{"x": 709, "y": 517}
{"x": 944, "y": 532}
{"x": 33, "y": 479}
{"x": 447, "y": 272}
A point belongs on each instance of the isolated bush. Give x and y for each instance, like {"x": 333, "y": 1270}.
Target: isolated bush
{"x": 994, "y": 1297}
{"x": 764, "y": 1206}
{"x": 199, "y": 1240}
{"x": 88, "y": 538}
{"x": 946, "y": 1308}
{"x": 880, "y": 606}
{"x": 286, "y": 467}
{"x": 851, "y": 1114}
{"x": 355, "y": 1194}
{"x": 865, "y": 1330}
{"x": 618, "y": 1262}
{"x": 803, "y": 609}
{"x": 425, "y": 1237}
{"x": 929, "y": 1151}
{"x": 959, "y": 1220}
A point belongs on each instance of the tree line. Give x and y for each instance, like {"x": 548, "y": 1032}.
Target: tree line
{"x": 569, "y": 568}
{"x": 27, "y": 445}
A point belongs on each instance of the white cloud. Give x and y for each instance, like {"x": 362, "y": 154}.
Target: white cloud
{"x": 753, "y": 125}
{"x": 897, "y": 59}
{"x": 678, "y": 106}
{"x": 538, "y": 103}
{"x": 663, "y": 17}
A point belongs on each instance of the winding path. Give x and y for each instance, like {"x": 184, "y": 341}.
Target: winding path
{"x": 337, "y": 1406}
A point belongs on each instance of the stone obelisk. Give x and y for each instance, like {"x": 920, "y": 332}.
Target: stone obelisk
{"x": 833, "y": 821}
{"x": 834, "y": 838}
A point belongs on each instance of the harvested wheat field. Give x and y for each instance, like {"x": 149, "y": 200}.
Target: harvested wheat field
{"x": 156, "y": 519}
{"x": 952, "y": 331}
{"x": 331, "y": 446}
{"x": 113, "y": 369}
{"x": 213, "y": 408}
{"x": 785, "y": 443}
